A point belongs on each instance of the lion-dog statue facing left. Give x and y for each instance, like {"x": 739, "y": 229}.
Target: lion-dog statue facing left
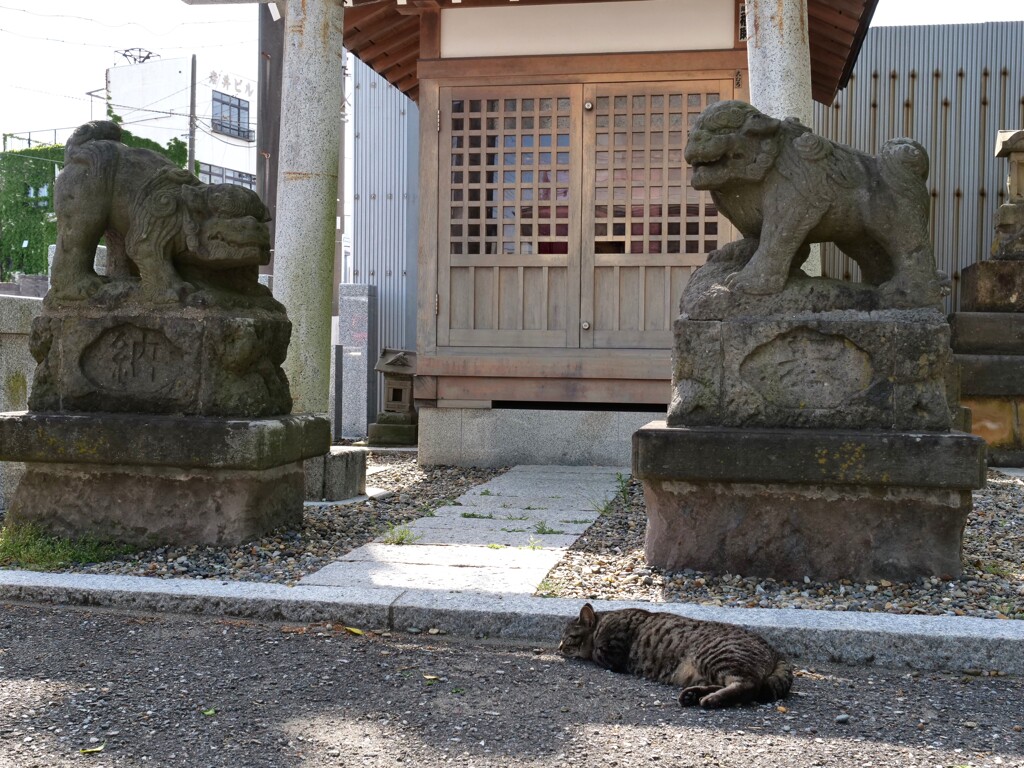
{"x": 785, "y": 188}
{"x": 160, "y": 223}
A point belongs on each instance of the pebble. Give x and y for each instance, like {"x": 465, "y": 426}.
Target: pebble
{"x": 598, "y": 566}
{"x": 607, "y": 562}
{"x": 327, "y": 532}
{"x": 842, "y": 719}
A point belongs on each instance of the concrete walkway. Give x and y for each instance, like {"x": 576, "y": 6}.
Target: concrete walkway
{"x": 502, "y": 537}
{"x": 476, "y": 564}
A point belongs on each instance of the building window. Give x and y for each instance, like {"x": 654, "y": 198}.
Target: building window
{"x": 38, "y": 197}
{"x": 231, "y": 116}
{"x": 214, "y": 174}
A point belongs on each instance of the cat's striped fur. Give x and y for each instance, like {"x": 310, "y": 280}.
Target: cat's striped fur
{"x": 717, "y": 665}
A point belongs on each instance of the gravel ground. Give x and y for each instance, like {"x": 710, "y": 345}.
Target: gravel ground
{"x": 178, "y": 691}
{"x": 608, "y": 563}
{"x": 327, "y": 532}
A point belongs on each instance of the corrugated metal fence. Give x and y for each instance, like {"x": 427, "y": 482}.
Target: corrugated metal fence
{"x": 950, "y": 87}
{"x": 385, "y": 205}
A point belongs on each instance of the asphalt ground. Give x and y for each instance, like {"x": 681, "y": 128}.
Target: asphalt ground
{"x": 143, "y": 689}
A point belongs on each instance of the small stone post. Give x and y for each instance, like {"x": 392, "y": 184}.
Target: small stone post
{"x": 307, "y": 184}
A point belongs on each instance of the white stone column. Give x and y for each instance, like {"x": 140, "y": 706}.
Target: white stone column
{"x": 779, "y": 62}
{"x": 779, "y": 58}
{"x": 307, "y": 192}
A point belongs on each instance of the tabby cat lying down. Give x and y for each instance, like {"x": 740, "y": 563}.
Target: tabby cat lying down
{"x": 717, "y": 665}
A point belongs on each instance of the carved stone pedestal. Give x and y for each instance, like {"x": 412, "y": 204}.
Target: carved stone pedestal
{"x": 988, "y": 342}
{"x": 149, "y": 479}
{"x": 810, "y": 444}
{"x": 788, "y": 503}
{"x": 208, "y": 361}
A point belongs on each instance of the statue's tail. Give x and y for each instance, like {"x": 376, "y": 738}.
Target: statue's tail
{"x": 904, "y": 165}
{"x": 97, "y": 130}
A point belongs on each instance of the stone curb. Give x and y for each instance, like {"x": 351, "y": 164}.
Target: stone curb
{"x": 940, "y": 643}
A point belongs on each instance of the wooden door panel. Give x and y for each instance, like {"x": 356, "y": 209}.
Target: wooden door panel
{"x": 644, "y": 228}
{"x": 509, "y": 223}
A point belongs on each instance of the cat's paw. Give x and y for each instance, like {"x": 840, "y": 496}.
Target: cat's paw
{"x": 694, "y": 695}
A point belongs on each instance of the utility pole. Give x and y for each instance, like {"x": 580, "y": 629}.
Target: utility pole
{"x": 191, "y": 167}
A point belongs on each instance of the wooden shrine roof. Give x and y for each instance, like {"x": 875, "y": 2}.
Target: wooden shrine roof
{"x": 385, "y": 34}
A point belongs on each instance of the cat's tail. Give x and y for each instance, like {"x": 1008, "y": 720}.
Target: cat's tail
{"x": 777, "y": 684}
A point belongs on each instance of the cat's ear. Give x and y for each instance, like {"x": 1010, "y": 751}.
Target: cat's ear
{"x": 587, "y": 616}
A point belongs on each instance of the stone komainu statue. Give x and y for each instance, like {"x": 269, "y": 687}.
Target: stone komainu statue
{"x": 784, "y": 188}
{"x": 159, "y": 221}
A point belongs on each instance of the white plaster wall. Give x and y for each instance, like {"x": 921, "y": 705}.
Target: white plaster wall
{"x": 641, "y": 25}
{"x": 153, "y": 100}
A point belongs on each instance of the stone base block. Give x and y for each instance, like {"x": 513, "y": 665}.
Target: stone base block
{"x": 338, "y": 475}
{"x": 150, "y": 506}
{"x": 997, "y": 420}
{"x": 785, "y": 504}
{"x": 992, "y": 286}
{"x": 848, "y": 370}
{"x": 392, "y": 434}
{"x": 987, "y": 333}
{"x": 784, "y": 531}
{"x": 990, "y": 375}
{"x": 160, "y": 479}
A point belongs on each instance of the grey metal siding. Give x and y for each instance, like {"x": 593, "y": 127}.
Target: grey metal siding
{"x": 385, "y": 204}
{"x": 950, "y": 87}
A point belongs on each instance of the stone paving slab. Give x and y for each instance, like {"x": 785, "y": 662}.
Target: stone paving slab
{"x": 515, "y": 515}
{"x": 559, "y": 469}
{"x": 556, "y": 489}
{"x": 531, "y": 503}
{"x": 445, "y": 578}
{"x": 455, "y": 555}
{"x": 484, "y": 527}
{"x": 463, "y": 535}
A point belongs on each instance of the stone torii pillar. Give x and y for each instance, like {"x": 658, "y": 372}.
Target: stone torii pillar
{"x": 779, "y": 62}
{"x": 307, "y": 189}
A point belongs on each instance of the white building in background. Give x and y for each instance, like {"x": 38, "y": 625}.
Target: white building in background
{"x": 152, "y": 99}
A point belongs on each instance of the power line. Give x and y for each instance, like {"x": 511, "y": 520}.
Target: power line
{"x": 118, "y": 26}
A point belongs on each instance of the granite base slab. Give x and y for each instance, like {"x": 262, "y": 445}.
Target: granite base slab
{"x": 151, "y": 480}
{"x": 805, "y": 503}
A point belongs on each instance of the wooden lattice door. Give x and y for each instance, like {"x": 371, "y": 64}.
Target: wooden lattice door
{"x": 565, "y": 216}
{"x": 509, "y": 217}
{"x": 645, "y": 228}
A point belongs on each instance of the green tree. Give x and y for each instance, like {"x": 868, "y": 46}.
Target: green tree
{"x": 28, "y": 225}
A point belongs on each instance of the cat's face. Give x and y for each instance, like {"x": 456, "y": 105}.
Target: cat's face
{"x": 578, "y": 636}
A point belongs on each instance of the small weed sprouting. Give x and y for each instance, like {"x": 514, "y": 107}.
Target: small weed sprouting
{"x": 545, "y": 529}
{"x": 476, "y": 516}
{"x": 546, "y": 589}
{"x": 534, "y": 544}
{"x": 536, "y": 509}
{"x": 622, "y": 481}
{"x": 28, "y": 546}
{"x": 514, "y": 530}
{"x": 495, "y": 546}
{"x": 428, "y": 511}
{"x": 487, "y": 492}
{"x": 400, "y": 534}
{"x": 517, "y": 517}
{"x": 604, "y": 508}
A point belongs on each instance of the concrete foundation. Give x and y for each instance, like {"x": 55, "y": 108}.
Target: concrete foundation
{"x": 478, "y": 437}
{"x": 786, "y": 503}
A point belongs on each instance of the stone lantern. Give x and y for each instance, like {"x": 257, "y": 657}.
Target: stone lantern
{"x": 396, "y": 424}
